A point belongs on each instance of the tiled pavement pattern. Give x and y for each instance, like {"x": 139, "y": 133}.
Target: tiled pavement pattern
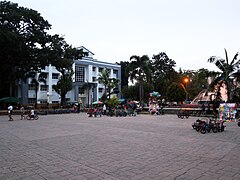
{"x": 73, "y": 146}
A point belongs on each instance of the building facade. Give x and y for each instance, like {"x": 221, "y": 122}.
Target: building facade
{"x": 86, "y": 88}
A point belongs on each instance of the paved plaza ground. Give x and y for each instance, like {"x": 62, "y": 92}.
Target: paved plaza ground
{"x": 73, "y": 146}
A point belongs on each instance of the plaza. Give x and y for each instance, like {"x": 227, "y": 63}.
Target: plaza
{"x": 74, "y": 146}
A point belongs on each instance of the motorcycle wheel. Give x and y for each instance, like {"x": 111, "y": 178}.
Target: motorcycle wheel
{"x": 215, "y": 130}
{"x": 203, "y": 130}
{"x": 198, "y": 128}
{"x": 36, "y": 117}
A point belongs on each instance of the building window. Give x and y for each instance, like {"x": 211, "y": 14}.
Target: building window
{"x": 81, "y": 91}
{"x": 31, "y": 100}
{"x": 115, "y": 72}
{"x": 79, "y": 74}
{"x": 43, "y": 101}
{"x": 109, "y": 70}
{"x": 31, "y": 87}
{"x": 100, "y": 70}
{"x": 55, "y": 102}
{"x": 93, "y": 68}
{"x": 100, "y": 90}
{"x": 93, "y": 79}
{"x": 55, "y": 76}
{"x": 43, "y": 75}
{"x": 43, "y": 87}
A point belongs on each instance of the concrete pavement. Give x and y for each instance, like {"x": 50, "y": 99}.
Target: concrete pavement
{"x": 73, "y": 146}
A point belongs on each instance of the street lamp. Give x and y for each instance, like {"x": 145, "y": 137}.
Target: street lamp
{"x": 186, "y": 81}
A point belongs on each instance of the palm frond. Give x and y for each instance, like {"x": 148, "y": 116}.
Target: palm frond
{"x": 234, "y": 59}
{"x": 236, "y": 65}
{"x": 212, "y": 59}
{"x": 226, "y": 55}
{"x": 220, "y": 64}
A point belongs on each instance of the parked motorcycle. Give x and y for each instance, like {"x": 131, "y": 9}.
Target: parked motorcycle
{"x": 204, "y": 126}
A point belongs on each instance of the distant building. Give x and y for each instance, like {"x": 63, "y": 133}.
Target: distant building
{"x": 86, "y": 88}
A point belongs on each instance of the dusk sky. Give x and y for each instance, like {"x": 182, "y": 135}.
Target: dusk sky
{"x": 189, "y": 31}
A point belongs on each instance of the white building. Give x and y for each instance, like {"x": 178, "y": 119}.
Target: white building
{"x": 86, "y": 88}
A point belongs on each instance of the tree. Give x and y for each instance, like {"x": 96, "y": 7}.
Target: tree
{"x": 109, "y": 83}
{"x": 140, "y": 71}
{"x": 62, "y": 57}
{"x": 22, "y": 44}
{"x": 227, "y": 69}
{"x": 124, "y": 73}
{"x": 132, "y": 92}
{"x": 163, "y": 72}
{"x": 104, "y": 79}
{"x": 64, "y": 85}
{"x": 175, "y": 92}
{"x": 112, "y": 85}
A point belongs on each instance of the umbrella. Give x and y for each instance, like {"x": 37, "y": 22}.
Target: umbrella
{"x": 9, "y": 99}
{"x": 97, "y": 102}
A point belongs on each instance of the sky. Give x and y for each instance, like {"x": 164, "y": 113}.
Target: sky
{"x": 189, "y": 31}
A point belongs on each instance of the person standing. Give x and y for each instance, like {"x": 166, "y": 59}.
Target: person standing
{"x": 22, "y": 112}
{"x": 104, "y": 109}
{"x": 10, "y": 110}
{"x": 78, "y": 108}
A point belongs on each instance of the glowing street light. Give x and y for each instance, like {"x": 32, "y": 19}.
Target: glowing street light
{"x": 186, "y": 81}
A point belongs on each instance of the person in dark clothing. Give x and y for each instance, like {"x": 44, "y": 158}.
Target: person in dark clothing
{"x": 78, "y": 108}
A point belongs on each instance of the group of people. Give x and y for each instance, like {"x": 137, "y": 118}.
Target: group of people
{"x": 22, "y": 113}
{"x": 119, "y": 110}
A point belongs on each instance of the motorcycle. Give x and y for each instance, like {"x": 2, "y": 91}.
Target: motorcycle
{"x": 29, "y": 117}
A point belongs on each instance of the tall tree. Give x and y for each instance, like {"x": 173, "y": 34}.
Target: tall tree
{"x": 104, "y": 79}
{"x": 175, "y": 92}
{"x": 22, "y": 44}
{"x": 109, "y": 83}
{"x": 227, "y": 68}
{"x": 124, "y": 73}
{"x": 62, "y": 57}
{"x": 163, "y": 72}
{"x": 140, "y": 71}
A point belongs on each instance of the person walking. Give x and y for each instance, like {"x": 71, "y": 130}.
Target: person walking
{"x": 10, "y": 110}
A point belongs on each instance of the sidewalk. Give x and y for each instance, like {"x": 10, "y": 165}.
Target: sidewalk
{"x": 73, "y": 146}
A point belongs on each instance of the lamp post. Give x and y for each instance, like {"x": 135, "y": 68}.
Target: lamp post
{"x": 48, "y": 99}
{"x": 186, "y": 81}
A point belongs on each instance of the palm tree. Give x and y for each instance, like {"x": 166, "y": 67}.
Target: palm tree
{"x": 140, "y": 71}
{"x": 228, "y": 69}
{"x": 104, "y": 79}
{"x": 113, "y": 84}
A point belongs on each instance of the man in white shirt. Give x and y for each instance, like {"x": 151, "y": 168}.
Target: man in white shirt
{"x": 10, "y": 109}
